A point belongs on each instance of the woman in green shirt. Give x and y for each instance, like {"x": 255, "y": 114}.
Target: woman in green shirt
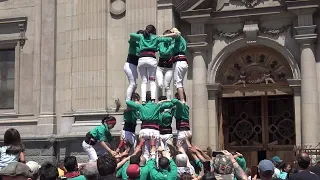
{"x": 147, "y": 65}
{"x": 164, "y": 70}
{"x": 130, "y": 67}
{"x": 94, "y": 143}
{"x": 130, "y": 117}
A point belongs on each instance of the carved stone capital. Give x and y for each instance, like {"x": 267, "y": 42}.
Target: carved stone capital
{"x": 215, "y": 88}
{"x": 251, "y": 30}
{"x": 165, "y": 4}
{"x": 197, "y": 42}
{"x": 305, "y": 34}
{"x": 295, "y": 84}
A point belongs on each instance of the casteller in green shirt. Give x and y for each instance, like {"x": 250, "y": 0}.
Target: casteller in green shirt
{"x": 144, "y": 172}
{"x": 165, "y": 50}
{"x": 101, "y": 133}
{"x": 149, "y": 111}
{"x": 180, "y": 45}
{"x": 149, "y": 43}
{"x": 181, "y": 112}
{"x": 163, "y": 174}
{"x": 166, "y": 118}
{"x": 130, "y": 115}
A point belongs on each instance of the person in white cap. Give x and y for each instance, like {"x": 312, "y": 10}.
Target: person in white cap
{"x": 34, "y": 167}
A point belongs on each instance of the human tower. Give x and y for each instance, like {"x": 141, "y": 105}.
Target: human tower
{"x": 156, "y": 117}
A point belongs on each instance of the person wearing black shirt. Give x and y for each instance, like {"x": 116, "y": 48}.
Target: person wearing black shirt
{"x": 304, "y": 173}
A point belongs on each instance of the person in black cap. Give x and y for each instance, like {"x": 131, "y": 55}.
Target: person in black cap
{"x": 16, "y": 171}
{"x": 94, "y": 143}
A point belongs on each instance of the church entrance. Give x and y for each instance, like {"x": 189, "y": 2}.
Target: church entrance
{"x": 257, "y": 106}
{"x": 260, "y": 127}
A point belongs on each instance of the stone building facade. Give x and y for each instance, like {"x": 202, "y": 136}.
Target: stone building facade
{"x": 253, "y": 83}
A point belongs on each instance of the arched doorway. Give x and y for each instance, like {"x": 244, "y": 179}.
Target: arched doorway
{"x": 257, "y": 104}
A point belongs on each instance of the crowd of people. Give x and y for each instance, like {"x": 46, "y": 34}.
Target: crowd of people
{"x": 153, "y": 155}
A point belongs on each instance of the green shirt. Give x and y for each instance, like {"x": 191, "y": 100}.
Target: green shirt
{"x": 130, "y": 115}
{"x": 81, "y": 177}
{"x": 166, "y": 118}
{"x": 180, "y": 45}
{"x": 163, "y": 174}
{"x": 150, "y": 43}
{"x": 144, "y": 172}
{"x": 181, "y": 111}
{"x": 133, "y": 47}
{"x": 149, "y": 111}
{"x": 242, "y": 163}
{"x": 165, "y": 49}
{"x": 101, "y": 133}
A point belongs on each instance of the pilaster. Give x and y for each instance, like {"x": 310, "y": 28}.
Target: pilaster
{"x": 200, "y": 114}
{"x": 46, "y": 123}
{"x": 213, "y": 111}
{"x": 295, "y": 84}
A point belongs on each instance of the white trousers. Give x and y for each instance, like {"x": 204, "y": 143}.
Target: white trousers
{"x": 132, "y": 75}
{"x": 180, "y": 69}
{"x": 164, "y": 77}
{"x": 165, "y": 140}
{"x": 147, "y": 134}
{"x": 94, "y": 151}
{"x": 147, "y": 68}
{"x": 182, "y": 138}
{"x": 131, "y": 138}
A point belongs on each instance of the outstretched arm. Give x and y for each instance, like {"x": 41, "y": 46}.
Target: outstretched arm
{"x": 237, "y": 169}
{"x": 135, "y": 36}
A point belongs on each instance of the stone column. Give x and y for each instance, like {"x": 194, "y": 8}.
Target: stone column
{"x": 200, "y": 120}
{"x": 213, "y": 111}
{"x": 309, "y": 85}
{"x": 46, "y": 123}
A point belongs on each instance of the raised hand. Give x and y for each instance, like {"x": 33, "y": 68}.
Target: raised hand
{"x": 118, "y": 105}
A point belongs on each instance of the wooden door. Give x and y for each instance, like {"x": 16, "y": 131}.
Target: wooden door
{"x": 259, "y": 127}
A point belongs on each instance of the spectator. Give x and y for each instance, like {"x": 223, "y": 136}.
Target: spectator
{"x": 182, "y": 165}
{"x": 210, "y": 176}
{"x": 276, "y": 162}
{"x": 90, "y": 171}
{"x": 16, "y": 170}
{"x": 285, "y": 169}
{"x": 249, "y": 173}
{"x": 266, "y": 170}
{"x": 61, "y": 169}
{"x": 34, "y": 167}
{"x": 48, "y": 172}
{"x": 185, "y": 176}
{"x": 107, "y": 165}
{"x": 303, "y": 160}
{"x": 71, "y": 165}
{"x": 316, "y": 169}
{"x": 13, "y": 149}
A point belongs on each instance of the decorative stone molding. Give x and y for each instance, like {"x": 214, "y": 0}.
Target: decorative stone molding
{"x": 21, "y": 25}
{"x": 251, "y": 29}
{"x": 117, "y": 7}
{"x": 275, "y": 32}
{"x": 250, "y": 3}
{"x": 197, "y": 42}
{"x": 227, "y": 35}
{"x": 306, "y": 34}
